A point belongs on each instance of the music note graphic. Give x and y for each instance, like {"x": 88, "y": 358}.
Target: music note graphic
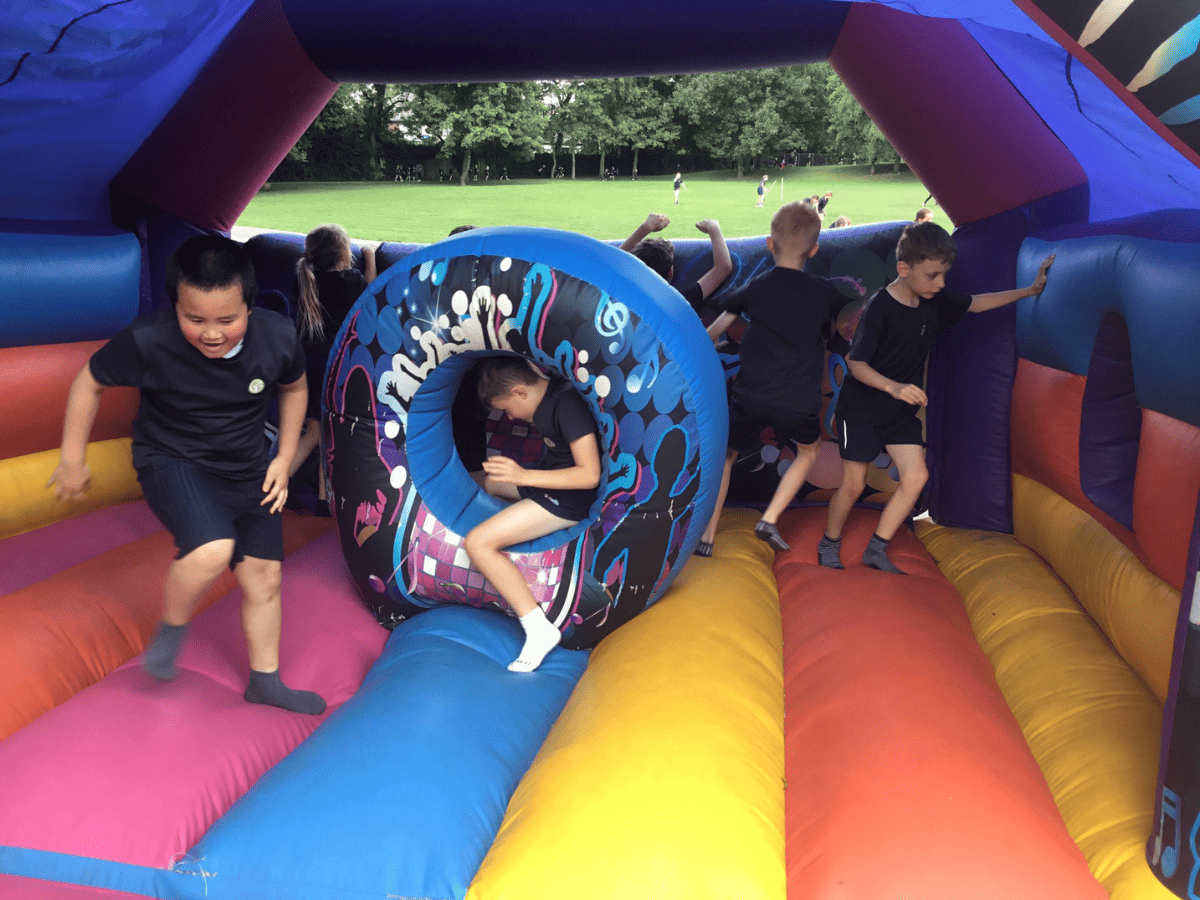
{"x": 1168, "y": 856}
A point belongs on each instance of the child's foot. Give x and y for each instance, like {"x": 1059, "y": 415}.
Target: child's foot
{"x": 875, "y": 556}
{"x": 159, "y": 659}
{"x": 704, "y": 548}
{"x": 766, "y": 531}
{"x": 829, "y": 553}
{"x": 265, "y": 687}
{"x": 540, "y": 638}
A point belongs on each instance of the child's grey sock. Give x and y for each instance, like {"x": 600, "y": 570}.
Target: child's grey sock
{"x": 159, "y": 659}
{"x": 829, "y": 553}
{"x": 265, "y": 687}
{"x": 875, "y": 556}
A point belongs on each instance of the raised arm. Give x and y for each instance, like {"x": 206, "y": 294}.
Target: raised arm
{"x": 722, "y": 266}
{"x": 984, "y": 302}
{"x": 654, "y": 222}
{"x": 73, "y": 476}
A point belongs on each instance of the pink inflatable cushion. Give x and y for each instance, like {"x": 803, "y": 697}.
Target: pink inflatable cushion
{"x": 136, "y": 771}
{"x": 34, "y": 555}
{"x": 13, "y": 887}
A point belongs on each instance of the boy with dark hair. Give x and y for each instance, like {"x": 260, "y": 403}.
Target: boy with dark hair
{"x": 207, "y": 370}
{"x": 881, "y": 394}
{"x": 782, "y": 359}
{"x": 555, "y": 493}
{"x": 659, "y": 255}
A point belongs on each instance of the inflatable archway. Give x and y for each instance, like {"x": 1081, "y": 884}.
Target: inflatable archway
{"x": 1062, "y": 443}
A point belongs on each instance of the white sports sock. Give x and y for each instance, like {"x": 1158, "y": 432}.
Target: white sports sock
{"x": 540, "y": 638}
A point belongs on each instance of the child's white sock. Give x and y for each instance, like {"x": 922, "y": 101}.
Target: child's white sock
{"x": 540, "y": 638}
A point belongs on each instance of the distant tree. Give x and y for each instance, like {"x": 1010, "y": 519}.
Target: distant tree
{"x": 504, "y": 118}
{"x": 644, "y": 111}
{"x": 379, "y": 103}
{"x": 562, "y": 121}
{"x": 596, "y": 114}
{"x": 332, "y": 147}
{"x": 742, "y": 116}
{"x": 855, "y": 136}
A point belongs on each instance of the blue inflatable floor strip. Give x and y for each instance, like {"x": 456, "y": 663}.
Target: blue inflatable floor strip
{"x": 401, "y": 792}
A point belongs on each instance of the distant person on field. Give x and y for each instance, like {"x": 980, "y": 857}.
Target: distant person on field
{"x": 678, "y": 185}
{"x": 762, "y": 191}
{"x": 782, "y": 359}
{"x": 659, "y": 255}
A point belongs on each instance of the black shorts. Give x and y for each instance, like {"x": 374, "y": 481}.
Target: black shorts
{"x": 747, "y": 421}
{"x": 574, "y": 506}
{"x": 863, "y": 442}
{"x": 198, "y": 507}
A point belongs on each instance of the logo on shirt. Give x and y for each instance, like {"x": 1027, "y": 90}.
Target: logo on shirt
{"x": 256, "y": 386}
{"x": 548, "y": 442}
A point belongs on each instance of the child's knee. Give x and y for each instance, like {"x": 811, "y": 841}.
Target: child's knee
{"x": 477, "y": 543}
{"x": 266, "y": 574}
{"x": 854, "y": 478}
{"x": 807, "y": 452}
{"x": 914, "y": 478}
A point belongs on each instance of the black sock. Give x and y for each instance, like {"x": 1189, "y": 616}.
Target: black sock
{"x": 159, "y": 659}
{"x": 829, "y": 553}
{"x": 875, "y": 556}
{"x": 265, "y": 687}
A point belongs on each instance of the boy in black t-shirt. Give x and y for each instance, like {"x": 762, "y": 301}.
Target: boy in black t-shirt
{"x": 207, "y": 370}
{"x": 782, "y": 358}
{"x": 555, "y": 493}
{"x": 881, "y": 394}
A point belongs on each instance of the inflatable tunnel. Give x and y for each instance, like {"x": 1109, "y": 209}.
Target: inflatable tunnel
{"x": 1017, "y": 717}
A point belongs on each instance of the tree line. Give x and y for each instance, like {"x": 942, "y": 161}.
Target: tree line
{"x": 586, "y": 128}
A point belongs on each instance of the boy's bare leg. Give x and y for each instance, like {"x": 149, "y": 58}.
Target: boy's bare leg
{"x": 910, "y": 463}
{"x": 854, "y": 480}
{"x": 705, "y": 547}
{"x": 187, "y": 581}
{"x": 261, "y": 581}
{"x": 523, "y": 521}
{"x": 785, "y": 493}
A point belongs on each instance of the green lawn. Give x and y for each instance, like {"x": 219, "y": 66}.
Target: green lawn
{"x": 423, "y": 213}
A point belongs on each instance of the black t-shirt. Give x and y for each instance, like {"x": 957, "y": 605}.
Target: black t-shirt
{"x": 895, "y": 340}
{"x": 782, "y": 352}
{"x": 561, "y": 418}
{"x": 694, "y": 295}
{"x": 208, "y": 411}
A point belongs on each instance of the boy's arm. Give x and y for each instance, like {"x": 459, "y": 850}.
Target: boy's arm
{"x": 293, "y": 403}
{"x": 722, "y": 266}
{"x": 984, "y": 302}
{"x": 909, "y": 393}
{"x": 720, "y": 325}
{"x": 654, "y": 222}
{"x": 583, "y": 476}
{"x": 73, "y": 475}
{"x": 370, "y": 270}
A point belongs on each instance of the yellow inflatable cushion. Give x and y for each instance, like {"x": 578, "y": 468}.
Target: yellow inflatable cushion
{"x": 663, "y": 778}
{"x": 1089, "y": 718}
{"x": 26, "y": 503}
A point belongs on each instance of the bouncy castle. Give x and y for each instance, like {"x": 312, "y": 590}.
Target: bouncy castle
{"x": 1018, "y": 716}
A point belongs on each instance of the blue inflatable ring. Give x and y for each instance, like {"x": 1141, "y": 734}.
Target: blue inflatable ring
{"x": 585, "y": 310}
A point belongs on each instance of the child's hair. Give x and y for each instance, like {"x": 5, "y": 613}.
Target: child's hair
{"x": 325, "y": 249}
{"x": 924, "y": 214}
{"x": 209, "y": 262}
{"x": 459, "y": 229}
{"x": 840, "y": 222}
{"x": 796, "y": 225}
{"x": 658, "y": 254}
{"x": 925, "y": 240}
{"x": 500, "y": 374}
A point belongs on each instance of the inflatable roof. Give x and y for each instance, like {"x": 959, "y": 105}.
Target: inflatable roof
{"x": 188, "y": 105}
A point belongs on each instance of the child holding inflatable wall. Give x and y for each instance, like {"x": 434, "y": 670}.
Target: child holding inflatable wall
{"x": 207, "y": 370}
{"x": 881, "y": 393}
{"x": 782, "y": 356}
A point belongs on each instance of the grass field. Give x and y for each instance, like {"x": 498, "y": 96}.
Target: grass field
{"x": 423, "y": 213}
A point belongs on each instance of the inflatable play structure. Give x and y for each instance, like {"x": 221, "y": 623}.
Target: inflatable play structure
{"x": 1017, "y": 717}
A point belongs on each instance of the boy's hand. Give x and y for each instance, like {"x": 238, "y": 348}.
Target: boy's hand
{"x": 708, "y": 226}
{"x": 275, "y": 485}
{"x": 504, "y": 470}
{"x": 656, "y": 222}
{"x": 1039, "y": 283}
{"x": 71, "y": 482}
{"x": 909, "y": 393}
